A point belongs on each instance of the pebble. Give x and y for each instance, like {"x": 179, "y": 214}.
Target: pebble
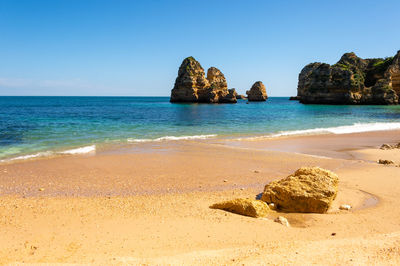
{"x": 381, "y": 161}
{"x": 41, "y": 189}
{"x": 345, "y": 207}
{"x": 225, "y": 180}
{"x": 272, "y": 206}
{"x": 282, "y": 220}
{"x": 255, "y": 171}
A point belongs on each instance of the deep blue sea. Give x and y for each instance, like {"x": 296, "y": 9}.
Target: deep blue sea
{"x": 44, "y": 125}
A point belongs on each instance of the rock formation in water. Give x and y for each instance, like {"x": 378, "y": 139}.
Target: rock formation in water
{"x": 307, "y": 190}
{"x": 230, "y": 97}
{"x": 352, "y": 80}
{"x": 191, "y": 85}
{"x": 238, "y": 96}
{"x": 257, "y": 92}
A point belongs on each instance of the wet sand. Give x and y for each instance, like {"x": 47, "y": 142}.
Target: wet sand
{"x": 149, "y": 204}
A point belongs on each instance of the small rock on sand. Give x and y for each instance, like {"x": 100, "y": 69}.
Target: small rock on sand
{"x": 390, "y": 147}
{"x": 41, "y": 189}
{"x": 381, "y": 161}
{"x": 345, "y": 207}
{"x": 386, "y": 147}
{"x": 282, "y": 220}
{"x": 248, "y": 207}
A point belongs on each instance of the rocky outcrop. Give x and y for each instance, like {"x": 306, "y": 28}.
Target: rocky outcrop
{"x": 307, "y": 190}
{"x": 248, "y": 207}
{"x": 192, "y": 85}
{"x": 238, "y": 96}
{"x": 191, "y": 80}
{"x": 230, "y": 97}
{"x": 257, "y": 92}
{"x": 352, "y": 80}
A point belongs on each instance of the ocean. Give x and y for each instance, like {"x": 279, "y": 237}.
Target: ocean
{"x": 40, "y": 126}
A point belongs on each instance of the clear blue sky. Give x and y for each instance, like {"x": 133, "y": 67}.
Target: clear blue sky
{"x": 134, "y": 48}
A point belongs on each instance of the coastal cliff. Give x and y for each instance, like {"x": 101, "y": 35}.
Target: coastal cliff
{"x": 193, "y": 86}
{"x": 352, "y": 80}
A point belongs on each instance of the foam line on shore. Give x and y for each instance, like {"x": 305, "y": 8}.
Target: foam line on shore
{"x": 166, "y": 138}
{"x": 80, "y": 150}
{"x": 355, "y": 128}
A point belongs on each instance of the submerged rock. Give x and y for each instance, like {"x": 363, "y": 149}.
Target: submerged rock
{"x": 294, "y": 98}
{"x": 248, "y": 207}
{"x": 352, "y": 80}
{"x": 257, "y": 92}
{"x": 307, "y": 190}
{"x": 191, "y": 85}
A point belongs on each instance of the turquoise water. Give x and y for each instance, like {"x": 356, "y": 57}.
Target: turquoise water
{"x": 30, "y": 125}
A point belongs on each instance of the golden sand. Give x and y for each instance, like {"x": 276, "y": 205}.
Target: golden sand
{"x": 152, "y": 206}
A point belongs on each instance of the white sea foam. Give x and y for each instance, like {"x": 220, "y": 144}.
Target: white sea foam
{"x": 80, "y": 150}
{"x": 166, "y": 138}
{"x": 355, "y": 128}
{"x": 29, "y": 156}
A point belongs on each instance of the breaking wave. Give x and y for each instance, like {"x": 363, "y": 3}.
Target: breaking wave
{"x": 166, "y": 138}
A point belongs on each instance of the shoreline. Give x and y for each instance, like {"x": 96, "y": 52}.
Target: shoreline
{"x": 95, "y": 148}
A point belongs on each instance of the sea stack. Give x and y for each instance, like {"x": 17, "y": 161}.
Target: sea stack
{"x": 192, "y": 86}
{"x": 257, "y": 92}
{"x": 352, "y": 80}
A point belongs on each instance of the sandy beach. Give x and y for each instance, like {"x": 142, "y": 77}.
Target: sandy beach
{"x": 149, "y": 204}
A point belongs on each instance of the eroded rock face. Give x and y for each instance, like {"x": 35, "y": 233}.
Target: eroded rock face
{"x": 257, "y": 92}
{"x": 352, "y": 80}
{"x": 191, "y": 85}
{"x": 230, "y": 97}
{"x": 191, "y": 78}
{"x": 307, "y": 190}
{"x": 248, "y": 207}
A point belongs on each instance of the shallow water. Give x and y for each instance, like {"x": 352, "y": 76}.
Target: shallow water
{"x": 39, "y": 125}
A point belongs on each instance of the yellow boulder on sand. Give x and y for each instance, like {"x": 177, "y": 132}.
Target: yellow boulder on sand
{"x": 248, "y": 207}
{"x": 309, "y": 189}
